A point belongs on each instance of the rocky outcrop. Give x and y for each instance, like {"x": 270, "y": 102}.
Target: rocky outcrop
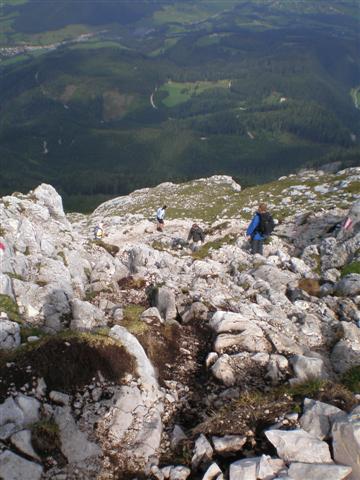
{"x": 200, "y": 330}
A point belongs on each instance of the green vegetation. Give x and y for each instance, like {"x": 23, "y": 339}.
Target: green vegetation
{"x": 132, "y": 320}
{"x": 28, "y": 331}
{"x": 351, "y": 379}
{"x": 353, "y": 267}
{"x": 219, "y": 106}
{"x": 9, "y": 306}
{"x": 45, "y": 437}
{"x": 205, "y": 250}
{"x": 112, "y": 249}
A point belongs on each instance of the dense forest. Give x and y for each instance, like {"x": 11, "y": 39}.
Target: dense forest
{"x": 174, "y": 91}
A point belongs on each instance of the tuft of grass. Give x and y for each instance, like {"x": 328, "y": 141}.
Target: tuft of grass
{"x": 204, "y": 250}
{"x": 351, "y": 379}
{"x": 310, "y": 286}
{"x": 2, "y": 231}
{"x": 131, "y": 320}
{"x": 9, "y": 306}
{"x": 26, "y": 332}
{"x": 45, "y": 437}
{"x": 156, "y": 245}
{"x": 309, "y": 388}
{"x": 353, "y": 267}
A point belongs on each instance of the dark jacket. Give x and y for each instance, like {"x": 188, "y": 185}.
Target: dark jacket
{"x": 196, "y": 234}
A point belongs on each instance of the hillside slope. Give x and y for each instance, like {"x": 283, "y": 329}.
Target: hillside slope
{"x": 136, "y": 356}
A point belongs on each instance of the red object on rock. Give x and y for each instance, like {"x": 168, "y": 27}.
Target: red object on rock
{"x": 2, "y": 246}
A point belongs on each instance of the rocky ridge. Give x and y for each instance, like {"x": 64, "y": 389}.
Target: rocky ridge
{"x": 136, "y": 357}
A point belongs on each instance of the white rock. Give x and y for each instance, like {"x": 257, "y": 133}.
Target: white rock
{"x": 299, "y": 446}
{"x": 302, "y": 471}
{"x": 212, "y": 472}
{"x": 228, "y": 443}
{"x": 346, "y": 442}
{"x": 203, "y": 451}
{"x": 59, "y": 398}
{"x": 14, "y": 467}
{"x": 22, "y": 441}
{"x": 9, "y": 334}
{"x": 318, "y": 418}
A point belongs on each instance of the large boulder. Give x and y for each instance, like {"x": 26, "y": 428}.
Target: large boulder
{"x": 346, "y": 352}
{"x": 346, "y": 442}
{"x": 299, "y": 446}
{"x": 319, "y": 417}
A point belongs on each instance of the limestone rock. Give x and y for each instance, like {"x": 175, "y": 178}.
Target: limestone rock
{"x": 151, "y": 315}
{"x": 74, "y": 444}
{"x": 307, "y": 368}
{"x": 22, "y": 442}
{"x": 228, "y": 443}
{"x": 212, "y": 472}
{"x": 299, "y": 446}
{"x": 14, "y": 467}
{"x": 86, "y": 316}
{"x": 302, "y": 471}
{"x": 318, "y": 418}
{"x": 9, "y": 334}
{"x": 348, "y": 286}
{"x": 203, "y": 452}
{"x": 346, "y": 442}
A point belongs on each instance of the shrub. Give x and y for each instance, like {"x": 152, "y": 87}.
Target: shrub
{"x": 351, "y": 379}
{"x": 9, "y": 306}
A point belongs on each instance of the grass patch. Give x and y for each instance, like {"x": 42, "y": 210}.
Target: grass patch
{"x": 256, "y": 410}
{"x": 310, "y": 286}
{"x": 351, "y": 379}
{"x": 205, "y": 249}
{"x": 131, "y": 283}
{"x": 45, "y": 437}
{"x": 9, "y": 306}
{"x": 66, "y": 361}
{"x": 156, "y": 245}
{"x": 353, "y": 267}
{"x": 26, "y": 332}
{"x": 131, "y": 320}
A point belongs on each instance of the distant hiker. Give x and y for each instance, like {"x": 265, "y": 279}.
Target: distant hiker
{"x": 99, "y": 231}
{"x": 2, "y": 249}
{"x": 160, "y": 215}
{"x": 196, "y": 236}
{"x": 261, "y": 227}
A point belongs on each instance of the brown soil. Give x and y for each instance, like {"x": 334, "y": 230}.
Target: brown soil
{"x": 66, "y": 364}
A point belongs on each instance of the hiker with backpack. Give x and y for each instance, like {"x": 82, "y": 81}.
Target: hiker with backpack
{"x": 196, "y": 236}
{"x": 260, "y": 228}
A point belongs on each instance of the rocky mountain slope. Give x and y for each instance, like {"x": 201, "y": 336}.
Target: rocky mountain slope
{"x": 137, "y": 357}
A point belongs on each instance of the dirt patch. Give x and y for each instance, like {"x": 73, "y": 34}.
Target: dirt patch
{"x": 68, "y": 93}
{"x": 66, "y": 364}
{"x": 115, "y": 105}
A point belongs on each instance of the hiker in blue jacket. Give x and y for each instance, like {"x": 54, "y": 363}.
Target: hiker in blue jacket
{"x": 260, "y": 228}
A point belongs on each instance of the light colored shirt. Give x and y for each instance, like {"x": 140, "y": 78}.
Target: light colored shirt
{"x": 160, "y": 213}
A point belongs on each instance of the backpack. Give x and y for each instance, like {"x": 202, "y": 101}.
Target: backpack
{"x": 266, "y": 225}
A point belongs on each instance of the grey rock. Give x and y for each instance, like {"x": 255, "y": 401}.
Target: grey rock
{"x": 11, "y": 418}
{"x": 22, "y": 441}
{"x": 228, "y": 443}
{"x": 74, "y": 443}
{"x": 212, "y": 472}
{"x": 299, "y": 446}
{"x": 86, "y": 316}
{"x": 318, "y": 418}
{"x": 223, "y": 370}
{"x": 348, "y": 286}
{"x": 346, "y": 442}
{"x": 197, "y": 311}
{"x": 6, "y": 286}
{"x": 177, "y": 436}
{"x": 302, "y": 471}
{"x": 9, "y": 334}
{"x": 165, "y": 303}
{"x": 151, "y": 315}
{"x": 179, "y": 473}
{"x": 30, "y": 408}
{"x": 14, "y": 467}
{"x": 203, "y": 452}
{"x": 59, "y": 398}
{"x": 307, "y": 368}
